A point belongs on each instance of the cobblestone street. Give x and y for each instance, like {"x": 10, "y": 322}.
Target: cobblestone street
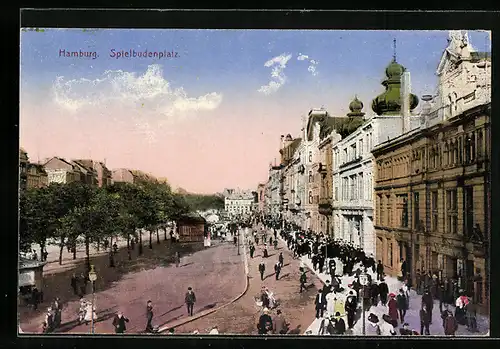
{"x": 164, "y": 284}
{"x": 242, "y": 316}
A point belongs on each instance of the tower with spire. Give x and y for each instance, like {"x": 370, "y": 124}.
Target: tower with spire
{"x": 389, "y": 102}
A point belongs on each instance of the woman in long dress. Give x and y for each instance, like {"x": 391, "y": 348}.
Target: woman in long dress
{"x": 272, "y": 300}
{"x": 89, "y": 312}
{"x": 330, "y": 304}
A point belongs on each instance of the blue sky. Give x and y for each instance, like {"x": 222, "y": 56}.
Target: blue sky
{"x": 222, "y": 71}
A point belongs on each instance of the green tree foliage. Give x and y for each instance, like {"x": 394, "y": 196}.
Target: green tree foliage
{"x": 74, "y": 213}
{"x": 204, "y": 202}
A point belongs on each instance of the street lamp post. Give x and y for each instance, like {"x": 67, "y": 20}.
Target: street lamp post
{"x": 238, "y": 240}
{"x": 92, "y": 278}
{"x": 363, "y": 280}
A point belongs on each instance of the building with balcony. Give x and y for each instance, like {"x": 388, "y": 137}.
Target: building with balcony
{"x": 239, "y": 203}
{"x": 353, "y": 162}
{"x": 291, "y": 203}
{"x": 432, "y": 185}
{"x": 23, "y": 168}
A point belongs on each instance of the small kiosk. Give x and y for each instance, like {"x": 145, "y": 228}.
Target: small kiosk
{"x": 30, "y": 276}
{"x": 192, "y": 228}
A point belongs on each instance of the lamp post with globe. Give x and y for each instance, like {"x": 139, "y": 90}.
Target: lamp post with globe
{"x": 92, "y": 278}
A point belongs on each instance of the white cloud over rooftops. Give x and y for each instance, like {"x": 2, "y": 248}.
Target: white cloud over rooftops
{"x": 149, "y": 90}
{"x": 278, "y": 77}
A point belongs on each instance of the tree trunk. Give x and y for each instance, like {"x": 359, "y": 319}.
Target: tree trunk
{"x": 128, "y": 247}
{"x": 165, "y": 233}
{"x": 74, "y": 249}
{"x": 111, "y": 257}
{"x": 150, "y": 240}
{"x": 87, "y": 253}
{"x": 140, "y": 242}
{"x": 61, "y": 248}
{"x": 98, "y": 243}
{"x": 157, "y": 236}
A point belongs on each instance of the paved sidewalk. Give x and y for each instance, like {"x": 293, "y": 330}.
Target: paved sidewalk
{"x": 242, "y": 316}
{"x": 412, "y": 315}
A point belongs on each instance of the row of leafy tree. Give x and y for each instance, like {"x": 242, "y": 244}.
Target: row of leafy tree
{"x": 204, "y": 202}
{"x": 75, "y": 213}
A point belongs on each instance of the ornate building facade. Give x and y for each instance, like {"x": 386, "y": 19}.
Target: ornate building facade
{"x": 432, "y": 184}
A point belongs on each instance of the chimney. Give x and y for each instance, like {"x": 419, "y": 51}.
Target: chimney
{"x": 405, "y": 101}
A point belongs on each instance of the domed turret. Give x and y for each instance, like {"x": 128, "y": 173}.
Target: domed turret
{"x": 389, "y": 102}
{"x": 355, "y": 107}
{"x": 394, "y": 70}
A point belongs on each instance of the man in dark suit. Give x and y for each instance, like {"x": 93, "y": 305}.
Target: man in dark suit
{"x": 277, "y": 270}
{"x": 149, "y": 316}
{"x": 262, "y": 269}
{"x": 119, "y": 323}
{"x": 190, "y": 299}
{"x": 320, "y": 304}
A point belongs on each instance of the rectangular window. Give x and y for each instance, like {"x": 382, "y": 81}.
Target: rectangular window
{"x": 434, "y": 209}
{"x": 346, "y": 157}
{"x": 389, "y": 210}
{"x": 361, "y": 187}
{"x": 369, "y": 186}
{"x": 416, "y": 211}
{"x": 451, "y": 211}
{"x": 390, "y": 254}
{"x": 355, "y": 187}
{"x": 469, "y": 211}
{"x": 402, "y": 201}
{"x": 360, "y": 147}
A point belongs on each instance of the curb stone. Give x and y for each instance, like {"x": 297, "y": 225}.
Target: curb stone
{"x": 178, "y": 323}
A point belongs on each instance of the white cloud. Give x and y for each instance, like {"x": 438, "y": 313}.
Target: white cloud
{"x": 312, "y": 63}
{"x": 278, "y": 76}
{"x": 146, "y": 92}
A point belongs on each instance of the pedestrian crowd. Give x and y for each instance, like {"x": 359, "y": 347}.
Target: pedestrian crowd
{"x": 337, "y": 305}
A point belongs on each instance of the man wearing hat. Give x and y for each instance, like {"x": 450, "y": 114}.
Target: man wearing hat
{"x": 351, "y": 305}
{"x": 190, "y": 299}
{"x": 119, "y": 322}
{"x": 262, "y": 269}
{"x": 339, "y": 324}
{"x": 303, "y": 280}
{"x": 320, "y": 303}
{"x": 265, "y": 322}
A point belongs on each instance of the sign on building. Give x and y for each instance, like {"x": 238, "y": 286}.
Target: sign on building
{"x": 27, "y": 278}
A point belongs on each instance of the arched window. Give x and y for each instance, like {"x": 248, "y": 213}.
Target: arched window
{"x": 310, "y": 156}
{"x": 447, "y": 151}
{"x": 310, "y": 197}
{"x": 455, "y": 98}
{"x": 310, "y": 177}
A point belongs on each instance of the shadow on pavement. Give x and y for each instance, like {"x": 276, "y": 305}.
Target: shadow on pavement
{"x": 185, "y": 265}
{"x": 59, "y": 284}
{"x": 296, "y": 330}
